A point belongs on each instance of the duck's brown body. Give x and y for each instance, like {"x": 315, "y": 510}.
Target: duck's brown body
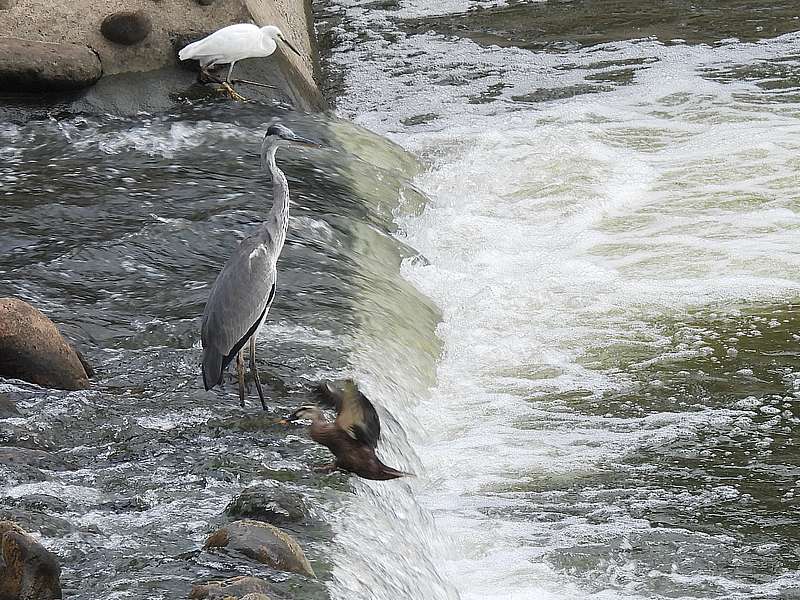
{"x": 351, "y": 455}
{"x": 353, "y": 437}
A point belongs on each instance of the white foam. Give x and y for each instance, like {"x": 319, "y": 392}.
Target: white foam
{"x": 555, "y": 229}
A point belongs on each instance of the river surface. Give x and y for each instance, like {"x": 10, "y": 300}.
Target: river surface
{"x": 555, "y": 242}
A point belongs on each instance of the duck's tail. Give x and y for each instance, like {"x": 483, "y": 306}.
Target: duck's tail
{"x": 388, "y": 472}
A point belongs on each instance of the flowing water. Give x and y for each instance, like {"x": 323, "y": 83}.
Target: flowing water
{"x": 612, "y": 239}
{"x": 577, "y": 311}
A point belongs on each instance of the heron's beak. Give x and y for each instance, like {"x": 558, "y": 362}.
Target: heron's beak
{"x": 288, "y": 43}
{"x": 304, "y": 141}
{"x": 281, "y": 422}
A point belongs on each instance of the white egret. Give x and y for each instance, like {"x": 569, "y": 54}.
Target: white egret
{"x": 234, "y": 43}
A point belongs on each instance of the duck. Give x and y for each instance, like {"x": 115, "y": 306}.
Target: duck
{"x": 353, "y": 436}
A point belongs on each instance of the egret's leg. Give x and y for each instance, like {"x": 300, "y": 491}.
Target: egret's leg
{"x": 232, "y": 93}
{"x": 240, "y": 375}
{"x": 230, "y": 72}
{"x": 254, "y": 371}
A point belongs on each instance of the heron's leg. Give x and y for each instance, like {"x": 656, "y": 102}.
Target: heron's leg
{"x": 230, "y": 72}
{"x": 240, "y": 375}
{"x": 254, "y": 371}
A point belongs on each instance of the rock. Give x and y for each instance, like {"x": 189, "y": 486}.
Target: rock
{"x": 205, "y": 2}
{"x": 41, "y": 522}
{"x": 6, "y": 4}
{"x": 29, "y": 571}
{"x": 41, "y": 502}
{"x": 31, "y": 347}
{"x": 126, "y": 27}
{"x": 264, "y": 543}
{"x": 252, "y": 588}
{"x": 27, "y": 66}
{"x": 11, "y": 455}
{"x": 7, "y": 407}
{"x": 269, "y": 503}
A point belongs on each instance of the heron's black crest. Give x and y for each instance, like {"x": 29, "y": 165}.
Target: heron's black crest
{"x": 278, "y": 130}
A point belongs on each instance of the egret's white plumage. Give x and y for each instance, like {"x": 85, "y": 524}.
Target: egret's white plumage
{"x": 234, "y": 43}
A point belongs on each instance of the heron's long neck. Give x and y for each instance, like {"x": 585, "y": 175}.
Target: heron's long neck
{"x": 278, "y": 218}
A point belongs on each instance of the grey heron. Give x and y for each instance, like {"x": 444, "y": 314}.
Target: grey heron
{"x": 234, "y": 43}
{"x": 243, "y": 291}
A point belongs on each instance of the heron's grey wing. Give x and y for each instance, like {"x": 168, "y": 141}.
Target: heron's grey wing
{"x": 239, "y": 299}
{"x": 356, "y": 414}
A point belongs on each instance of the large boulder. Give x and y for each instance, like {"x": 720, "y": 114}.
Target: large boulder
{"x": 268, "y": 502}
{"x": 27, "y": 66}
{"x": 28, "y": 571}
{"x": 264, "y": 543}
{"x": 235, "y": 587}
{"x": 31, "y": 347}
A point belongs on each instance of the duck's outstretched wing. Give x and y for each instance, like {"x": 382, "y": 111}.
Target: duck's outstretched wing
{"x": 356, "y": 414}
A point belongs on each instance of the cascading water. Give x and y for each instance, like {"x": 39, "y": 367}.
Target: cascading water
{"x": 611, "y": 238}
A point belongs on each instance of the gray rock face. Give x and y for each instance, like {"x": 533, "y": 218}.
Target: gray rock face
{"x": 31, "y": 347}
{"x": 264, "y": 543}
{"x": 269, "y": 503}
{"x": 236, "y": 587}
{"x": 6, "y": 4}
{"x": 28, "y": 571}
{"x": 27, "y": 66}
{"x": 127, "y": 27}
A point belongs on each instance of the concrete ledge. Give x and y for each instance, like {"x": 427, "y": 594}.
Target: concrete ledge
{"x": 153, "y": 47}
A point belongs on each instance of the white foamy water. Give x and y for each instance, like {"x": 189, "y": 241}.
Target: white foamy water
{"x": 558, "y": 232}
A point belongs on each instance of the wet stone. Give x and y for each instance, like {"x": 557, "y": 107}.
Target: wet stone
{"x": 11, "y": 455}
{"x": 31, "y": 347}
{"x": 270, "y": 503}
{"x": 127, "y": 27}
{"x": 28, "y": 571}
{"x": 41, "y": 522}
{"x": 251, "y": 588}
{"x": 26, "y": 67}
{"x": 264, "y": 543}
{"x": 7, "y": 407}
{"x": 40, "y": 502}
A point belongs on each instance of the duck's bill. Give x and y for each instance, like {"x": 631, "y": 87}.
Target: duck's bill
{"x": 291, "y": 47}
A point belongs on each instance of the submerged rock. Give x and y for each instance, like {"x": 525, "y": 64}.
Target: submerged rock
{"x": 27, "y": 66}
{"x": 28, "y": 571}
{"x": 126, "y": 27}
{"x": 251, "y": 588}
{"x": 11, "y": 455}
{"x": 32, "y": 348}
{"x": 269, "y": 503}
{"x": 7, "y": 407}
{"x": 264, "y": 543}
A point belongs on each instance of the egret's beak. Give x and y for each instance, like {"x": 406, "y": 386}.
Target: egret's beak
{"x": 288, "y": 43}
{"x": 281, "y": 422}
